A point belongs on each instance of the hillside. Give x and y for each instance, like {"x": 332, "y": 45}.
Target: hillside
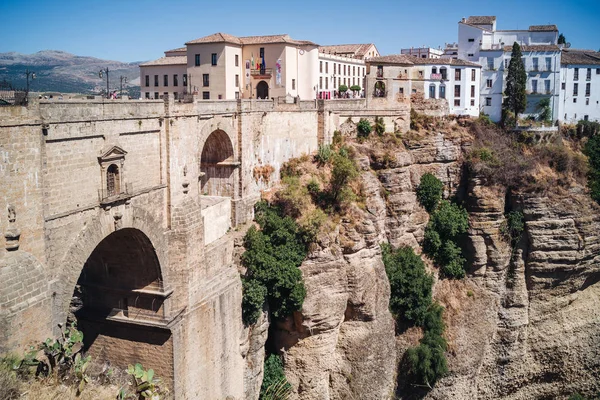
{"x": 59, "y": 71}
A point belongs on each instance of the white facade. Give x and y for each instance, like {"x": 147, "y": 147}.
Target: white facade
{"x": 580, "y": 88}
{"x": 461, "y": 84}
{"x": 335, "y": 71}
{"x": 542, "y": 64}
{"x": 479, "y": 41}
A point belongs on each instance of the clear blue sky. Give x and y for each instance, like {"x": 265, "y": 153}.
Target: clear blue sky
{"x": 129, "y": 30}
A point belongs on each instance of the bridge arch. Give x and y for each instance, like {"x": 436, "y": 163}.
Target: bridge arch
{"x": 217, "y": 165}
{"x": 114, "y": 285}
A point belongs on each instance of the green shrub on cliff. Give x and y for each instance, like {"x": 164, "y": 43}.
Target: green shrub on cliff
{"x": 592, "y": 150}
{"x": 273, "y": 255}
{"x": 363, "y": 128}
{"x": 274, "y": 385}
{"x": 447, "y": 222}
{"x": 410, "y": 284}
{"x": 429, "y": 191}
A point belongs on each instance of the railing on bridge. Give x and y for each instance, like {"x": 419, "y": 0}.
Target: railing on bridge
{"x": 11, "y": 96}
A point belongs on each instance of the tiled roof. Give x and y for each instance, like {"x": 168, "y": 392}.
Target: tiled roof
{"x": 174, "y": 60}
{"x": 284, "y": 38}
{"x": 216, "y": 38}
{"x": 543, "y": 28}
{"x": 393, "y": 59}
{"x": 579, "y": 57}
{"x": 177, "y": 50}
{"x": 358, "y": 50}
{"x": 538, "y": 47}
{"x": 480, "y": 20}
{"x": 443, "y": 61}
{"x": 245, "y": 40}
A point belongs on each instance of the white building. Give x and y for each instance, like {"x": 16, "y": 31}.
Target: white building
{"x": 400, "y": 77}
{"x": 423, "y": 52}
{"x": 479, "y": 41}
{"x": 450, "y": 50}
{"x": 343, "y": 64}
{"x": 580, "y": 86}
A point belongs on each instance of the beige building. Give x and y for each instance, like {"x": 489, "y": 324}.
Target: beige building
{"x": 454, "y": 84}
{"x": 227, "y": 67}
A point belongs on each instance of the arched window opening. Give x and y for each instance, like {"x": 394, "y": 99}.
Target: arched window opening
{"x": 442, "y": 91}
{"x": 379, "y": 89}
{"x": 113, "y": 180}
{"x": 432, "y": 91}
{"x": 434, "y": 70}
{"x": 217, "y": 165}
{"x": 444, "y": 73}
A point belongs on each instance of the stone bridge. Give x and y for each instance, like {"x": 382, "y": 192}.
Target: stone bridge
{"x": 116, "y": 215}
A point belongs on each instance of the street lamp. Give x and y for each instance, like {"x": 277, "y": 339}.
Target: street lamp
{"x": 122, "y": 79}
{"x": 29, "y": 73}
{"x": 100, "y": 74}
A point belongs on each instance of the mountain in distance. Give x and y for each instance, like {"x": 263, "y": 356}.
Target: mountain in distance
{"x": 59, "y": 71}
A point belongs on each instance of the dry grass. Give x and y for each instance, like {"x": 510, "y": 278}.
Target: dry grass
{"x": 499, "y": 158}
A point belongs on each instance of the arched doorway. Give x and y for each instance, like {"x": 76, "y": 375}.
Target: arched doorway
{"x": 262, "y": 90}
{"x": 121, "y": 305}
{"x": 217, "y": 165}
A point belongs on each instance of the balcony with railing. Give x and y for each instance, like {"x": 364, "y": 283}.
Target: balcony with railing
{"x": 115, "y": 194}
{"x": 261, "y": 73}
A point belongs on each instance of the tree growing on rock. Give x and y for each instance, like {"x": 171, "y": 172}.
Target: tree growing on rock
{"x": 516, "y": 84}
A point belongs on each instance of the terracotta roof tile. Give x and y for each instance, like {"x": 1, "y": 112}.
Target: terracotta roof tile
{"x": 177, "y": 50}
{"x": 356, "y": 50}
{"x": 543, "y": 28}
{"x": 284, "y": 38}
{"x": 580, "y": 57}
{"x": 481, "y": 20}
{"x": 216, "y": 38}
{"x": 173, "y": 60}
{"x": 443, "y": 61}
{"x": 245, "y": 40}
{"x": 392, "y": 59}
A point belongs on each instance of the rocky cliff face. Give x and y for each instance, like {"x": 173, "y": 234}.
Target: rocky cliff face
{"x": 530, "y": 326}
{"x": 524, "y": 324}
{"x": 342, "y": 344}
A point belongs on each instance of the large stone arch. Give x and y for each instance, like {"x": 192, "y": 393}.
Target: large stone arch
{"x": 115, "y": 284}
{"x": 96, "y": 229}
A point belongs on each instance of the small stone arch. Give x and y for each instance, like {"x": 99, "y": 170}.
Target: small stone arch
{"x": 379, "y": 89}
{"x": 217, "y": 165}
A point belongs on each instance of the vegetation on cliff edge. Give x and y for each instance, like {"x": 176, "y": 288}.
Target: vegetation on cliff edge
{"x": 272, "y": 257}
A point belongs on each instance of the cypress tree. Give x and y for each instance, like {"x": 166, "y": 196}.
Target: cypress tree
{"x": 516, "y": 83}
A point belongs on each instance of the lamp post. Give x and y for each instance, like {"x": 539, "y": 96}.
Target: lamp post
{"x": 100, "y": 74}
{"x": 123, "y": 79}
{"x": 29, "y": 73}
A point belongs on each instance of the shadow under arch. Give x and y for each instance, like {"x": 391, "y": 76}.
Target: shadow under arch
{"x": 217, "y": 165}
{"x": 119, "y": 303}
